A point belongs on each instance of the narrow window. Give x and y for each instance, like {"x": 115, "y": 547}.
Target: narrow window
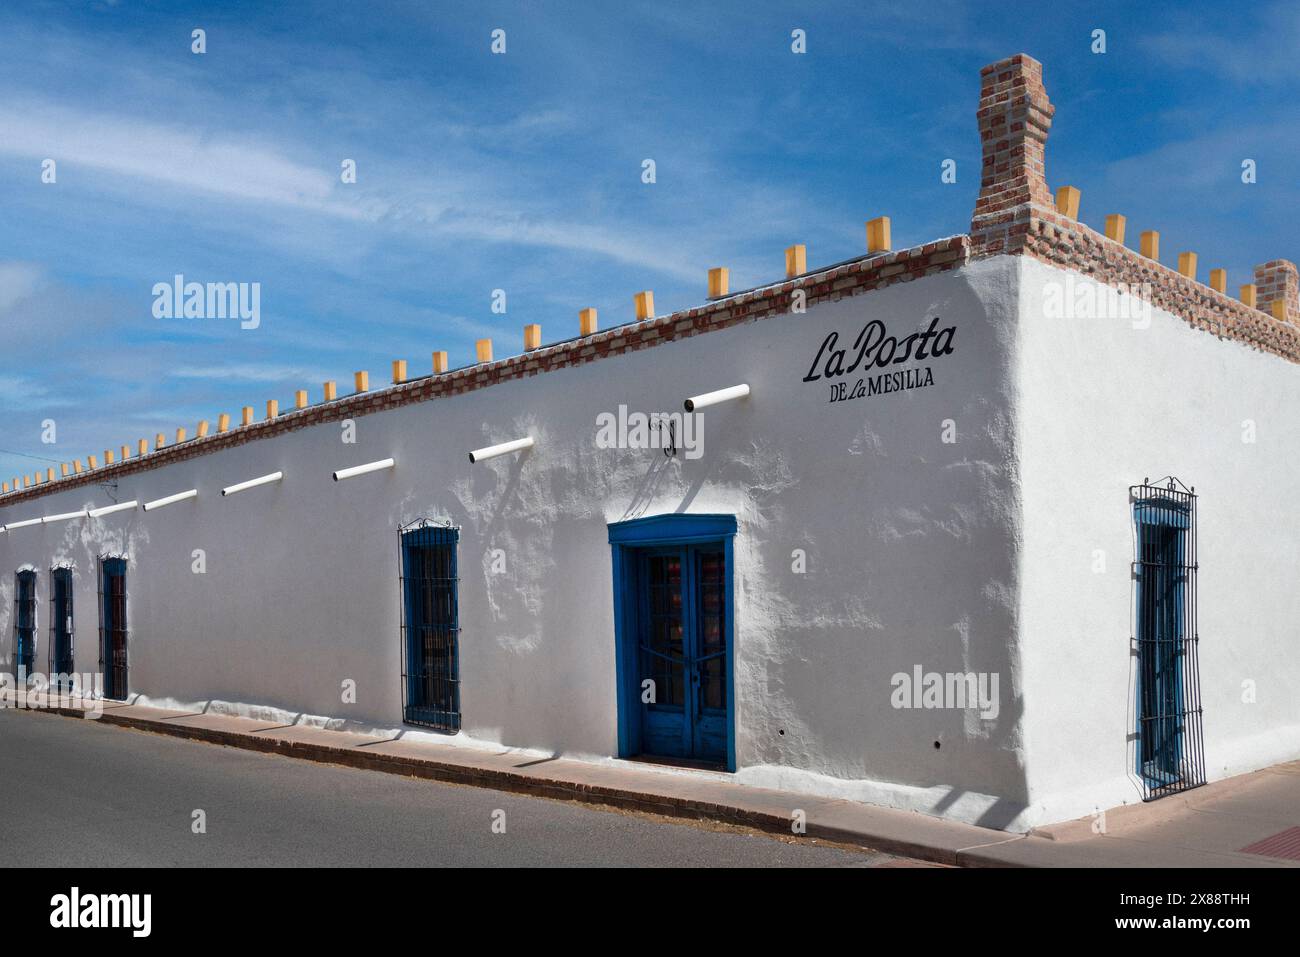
{"x": 430, "y": 627}
{"x": 24, "y": 624}
{"x": 61, "y": 652}
{"x": 113, "y": 626}
{"x": 1169, "y": 745}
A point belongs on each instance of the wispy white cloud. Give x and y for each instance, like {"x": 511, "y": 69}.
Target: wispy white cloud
{"x": 185, "y": 158}
{"x": 1257, "y": 45}
{"x": 21, "y": 393}
{"x": 18, "y": 281}
{"x": 191, "y": 162}
{"x": 247, "y": 372}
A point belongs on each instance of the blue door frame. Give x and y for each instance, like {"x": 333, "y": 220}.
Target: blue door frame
{"x": 691, "y": 538}
{"x": 1161, "y": 625}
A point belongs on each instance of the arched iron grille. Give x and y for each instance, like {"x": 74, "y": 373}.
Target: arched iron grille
{"x": 1170, "y": 748}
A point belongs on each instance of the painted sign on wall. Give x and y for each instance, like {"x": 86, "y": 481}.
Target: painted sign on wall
{"x": 874, "y": 348}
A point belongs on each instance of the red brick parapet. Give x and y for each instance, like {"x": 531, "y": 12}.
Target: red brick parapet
{"x": 846, "y": 279}
{"x": 1015, "y": 215}
{"x": 1060, "y": 241}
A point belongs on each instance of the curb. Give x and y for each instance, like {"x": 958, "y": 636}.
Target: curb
{"x": 516, "y": 783}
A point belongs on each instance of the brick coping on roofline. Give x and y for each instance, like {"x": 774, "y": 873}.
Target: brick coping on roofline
{"x": 849, "y": 278}
{"x": 1060, "y": 241}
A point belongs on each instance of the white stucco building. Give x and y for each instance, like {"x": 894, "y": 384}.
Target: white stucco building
{"x": 951, "y": 461}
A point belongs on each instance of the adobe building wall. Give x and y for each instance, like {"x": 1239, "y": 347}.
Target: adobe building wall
{"x": 1128, "y": 370}
{"x": 909, "y": 543}
{"x": 1105, "y": 402}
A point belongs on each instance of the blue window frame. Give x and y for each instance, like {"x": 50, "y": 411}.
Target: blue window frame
{"x": 113, "y": 627}
{"x": 61, "y": 631}
{"x": 430, "y": 627}
{"x": 674, "y": 637}
{"x": 1169, "y": 751}
{"x": 24, "y": 623}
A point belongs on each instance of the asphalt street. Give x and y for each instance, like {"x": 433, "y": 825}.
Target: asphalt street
{"x": 78, "y": 793}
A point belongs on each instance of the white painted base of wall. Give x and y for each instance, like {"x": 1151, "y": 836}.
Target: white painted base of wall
{"x": 1222, "y": 761}
{"x": 952, "y": 804}
{"x": 982, "y": 809}
{"x": 985, "y": 810}
{"x": 241, "y": 709}
{"x": 1243, "y": 755}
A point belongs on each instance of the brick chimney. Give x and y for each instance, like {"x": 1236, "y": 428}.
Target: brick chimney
{"x": 1276, "y": 280}
{"x": 1014, "y": 116}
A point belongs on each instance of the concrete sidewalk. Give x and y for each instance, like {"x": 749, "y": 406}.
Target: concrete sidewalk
{"x": 1205, "y": 827}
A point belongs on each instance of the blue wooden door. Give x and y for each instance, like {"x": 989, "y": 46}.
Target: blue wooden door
{"x": 681, "y": 631}
{"x": 711, "y": 716}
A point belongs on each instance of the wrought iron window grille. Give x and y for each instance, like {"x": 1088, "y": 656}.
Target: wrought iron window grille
{"x": 430, "y": 624}
{"x": 1169, "y": 744}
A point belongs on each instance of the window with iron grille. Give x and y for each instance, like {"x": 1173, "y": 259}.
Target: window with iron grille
{"x": 61, "y": 650}
{"x": 430, "y": 626}
{"x": 24, "y": 623}
{"x": 1170, "y": 749}
{"x": 113, "y": 626}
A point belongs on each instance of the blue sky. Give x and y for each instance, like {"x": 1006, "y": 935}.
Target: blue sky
{"x": 522, "y": 171}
